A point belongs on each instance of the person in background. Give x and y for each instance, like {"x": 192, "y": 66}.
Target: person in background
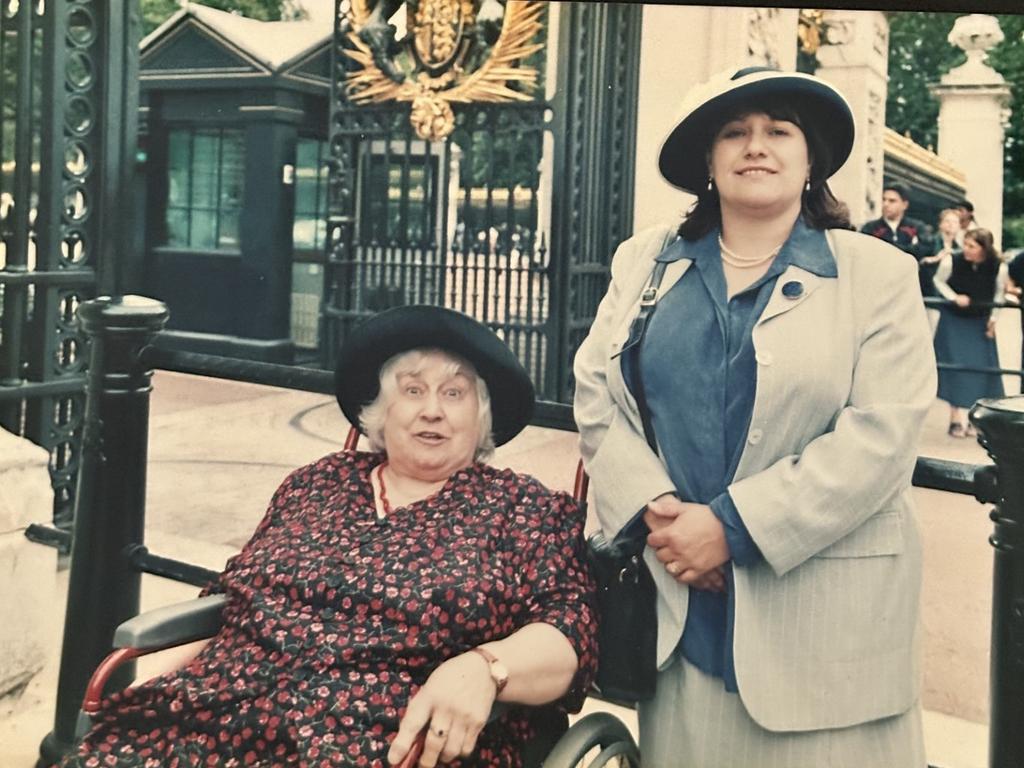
{"x": 945, "y": 245}
{"x": 906, "y": 233}
{"x": 965, "y": 209}
{"x": 764, "y": 429}
{"x": 971, "y": 280}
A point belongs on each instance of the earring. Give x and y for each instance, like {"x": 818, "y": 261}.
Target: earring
{"x": 807, "y": 185}
{"x": 711, "y": 184}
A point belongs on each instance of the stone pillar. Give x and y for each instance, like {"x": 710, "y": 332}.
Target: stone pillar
{"x": 681, "y": 46}
{"x": 854, "y": 58}
{"x": 28, "y": 571}
{"x": 973, "y": 111}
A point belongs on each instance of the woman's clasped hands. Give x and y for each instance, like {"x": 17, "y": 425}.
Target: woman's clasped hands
{"x": 453, "y": 705}
{"x": 690, "y": 540}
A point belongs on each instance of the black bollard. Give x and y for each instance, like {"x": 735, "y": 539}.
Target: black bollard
{"x": 103, "y": 587}
{"x": 1000, "y": 424}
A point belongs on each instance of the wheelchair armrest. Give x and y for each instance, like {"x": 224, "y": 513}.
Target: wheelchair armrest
{"x": 152, "y": 631}
{"x": 171, "y": 625}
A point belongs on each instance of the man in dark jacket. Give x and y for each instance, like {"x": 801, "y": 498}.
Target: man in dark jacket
{"x": 896, "y": 227}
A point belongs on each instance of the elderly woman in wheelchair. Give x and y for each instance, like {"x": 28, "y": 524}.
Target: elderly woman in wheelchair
{"x": 386, "y": 594}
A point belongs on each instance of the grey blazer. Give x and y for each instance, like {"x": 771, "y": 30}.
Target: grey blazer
{"x": 827, "y": 622}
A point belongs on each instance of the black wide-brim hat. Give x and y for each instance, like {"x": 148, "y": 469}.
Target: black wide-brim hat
{"x": 381, "y": 337}
{"x": 683, "y": 157}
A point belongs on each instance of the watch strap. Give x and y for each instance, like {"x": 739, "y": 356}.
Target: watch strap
{"x": 500, "y": 681}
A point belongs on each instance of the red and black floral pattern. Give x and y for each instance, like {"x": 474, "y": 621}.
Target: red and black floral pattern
{"x": 335, "y": 618}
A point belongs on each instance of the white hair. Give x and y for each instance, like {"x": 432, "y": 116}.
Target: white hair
{"x": 411, "y": 362}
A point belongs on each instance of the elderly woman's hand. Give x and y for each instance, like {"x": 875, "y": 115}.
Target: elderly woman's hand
{"x": 689, "y": 539}
{"x": 454, "y": 705}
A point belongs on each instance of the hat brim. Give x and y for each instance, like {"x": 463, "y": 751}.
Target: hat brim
{"x": 382, "y": 336}
{"x": 683, "y": 157}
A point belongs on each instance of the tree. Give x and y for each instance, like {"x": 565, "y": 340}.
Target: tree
{"x": 156, "y": 12}
{"x": 918, "y": 56}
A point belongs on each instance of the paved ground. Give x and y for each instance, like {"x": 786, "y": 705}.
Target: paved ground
{"x": 218, "y": 450}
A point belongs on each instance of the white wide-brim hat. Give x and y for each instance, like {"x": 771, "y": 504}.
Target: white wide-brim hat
{"x": 683, "y": 157}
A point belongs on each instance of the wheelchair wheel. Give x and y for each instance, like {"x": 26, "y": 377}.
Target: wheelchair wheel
{"x": 599, "y": 740}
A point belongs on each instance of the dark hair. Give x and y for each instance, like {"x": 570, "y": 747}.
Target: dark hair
{"x": 984, "y": 238}
{"x": 965, "y": 204}
{"x": 819, "y": 207}
{"x": 899, "y": 189}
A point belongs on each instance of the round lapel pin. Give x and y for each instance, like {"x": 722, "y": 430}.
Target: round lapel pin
{"x": 793, "y": 289}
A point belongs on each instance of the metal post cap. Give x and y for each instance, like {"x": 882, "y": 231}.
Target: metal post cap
{"x": 122, "y": 313}
{"x": 999, "y": 421}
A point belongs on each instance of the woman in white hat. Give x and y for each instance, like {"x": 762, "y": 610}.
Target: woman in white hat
{"x": 758, "y": 411}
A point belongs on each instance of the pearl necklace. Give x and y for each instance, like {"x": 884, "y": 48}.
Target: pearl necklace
{"x": 733, "y": 259}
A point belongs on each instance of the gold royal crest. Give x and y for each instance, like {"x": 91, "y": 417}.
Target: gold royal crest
{"x": 455, "y": 52}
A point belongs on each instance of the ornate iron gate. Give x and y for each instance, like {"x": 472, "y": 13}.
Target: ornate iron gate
{"x": 432, "y": 222}
{"x": 512, "y": 217}
{"x": 68, "y": 90}
{"x": 455, "y": 220}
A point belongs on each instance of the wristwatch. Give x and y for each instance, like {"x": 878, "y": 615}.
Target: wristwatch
{"x": 499, "y": 672}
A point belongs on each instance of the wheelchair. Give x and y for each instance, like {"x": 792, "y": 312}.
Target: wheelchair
{"x": 596, "y": 740}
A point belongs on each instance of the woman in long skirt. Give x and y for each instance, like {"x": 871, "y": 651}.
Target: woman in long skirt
{"x": 966, "y": 336}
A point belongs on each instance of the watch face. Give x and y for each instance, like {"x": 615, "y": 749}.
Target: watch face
{"x": 499, "y": 672}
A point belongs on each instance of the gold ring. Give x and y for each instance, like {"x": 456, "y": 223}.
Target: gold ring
{"x": 673, "y": 568}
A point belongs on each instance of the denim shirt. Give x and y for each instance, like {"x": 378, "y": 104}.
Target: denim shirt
{"x": 699, "y": 377}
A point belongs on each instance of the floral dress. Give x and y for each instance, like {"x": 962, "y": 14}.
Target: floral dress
{"x": 335, "y": 618}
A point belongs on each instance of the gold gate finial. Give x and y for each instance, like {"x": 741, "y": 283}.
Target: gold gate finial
{"x": 810, "y": 26}
{"x": 453, "y": 52}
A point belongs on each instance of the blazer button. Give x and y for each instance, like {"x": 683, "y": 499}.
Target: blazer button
{"x": 755, "y": 436}
{"x": 793, "y": 289}
{"x": 764, "y": 358}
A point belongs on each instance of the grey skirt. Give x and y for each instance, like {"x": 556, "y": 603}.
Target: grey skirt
{"x": 693, "y": 722}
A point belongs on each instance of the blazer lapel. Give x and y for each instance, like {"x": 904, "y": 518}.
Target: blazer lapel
{"x": 616, "y": 381}
{"x": 791, "y": 290}
{"x": 673, "y": 272}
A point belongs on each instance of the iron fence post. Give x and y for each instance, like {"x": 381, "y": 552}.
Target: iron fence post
{"x": 1000, "y": 424}
{"x": 103, "y": 587}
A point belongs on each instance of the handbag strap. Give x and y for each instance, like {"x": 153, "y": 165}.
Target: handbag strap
{"x": 648, "y": 301}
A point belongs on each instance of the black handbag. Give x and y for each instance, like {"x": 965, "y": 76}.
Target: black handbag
{"x": 627, "y": 636}
{"x": 628, "y": 631}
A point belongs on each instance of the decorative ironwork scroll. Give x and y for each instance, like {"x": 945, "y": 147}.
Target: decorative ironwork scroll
{"x": 453, "y": 52}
